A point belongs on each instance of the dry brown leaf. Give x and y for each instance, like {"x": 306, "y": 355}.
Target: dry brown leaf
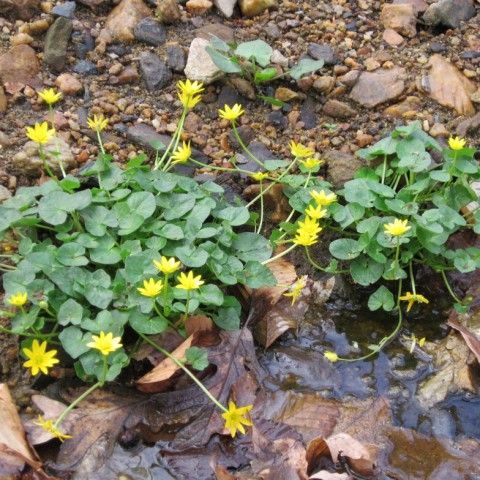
{"x": 274, "y": 200}
{"x": 470, "y": 338}
{"x": 323, "y": 475}
{"x": 198, "y": 323}
{"x": 14, "y": 449}
{"x": 159, "y": 379}
{"x": 285, "y": 275}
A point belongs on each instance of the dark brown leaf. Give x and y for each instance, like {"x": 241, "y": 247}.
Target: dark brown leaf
{"x": 470, "y": 338}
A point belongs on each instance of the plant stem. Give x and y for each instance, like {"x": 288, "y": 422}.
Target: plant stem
{"x": 449, "y": 288}
{"x": 260, "y": 223}
{"x": 42, "y": 155}
{"x": 166, "y": 311}
{"x": 187, "y": 305}
{"x": 412, "y": 278}
{"x": 28, "y": 335}
{"x": 6, "y": 267}
{"x": 249, "y": 204}
{"x": 280, "y": 255}
{"x": 220, "y": 169}
{"x": 384, "y": 171}
{"x": 244, "y": 147}
{"x": 186, "y": 370}
{"x": 318, "y": 267}
{"x": 158, "y": 164}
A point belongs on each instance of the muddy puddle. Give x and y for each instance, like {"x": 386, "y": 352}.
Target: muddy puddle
{"x": 440, "y": 425}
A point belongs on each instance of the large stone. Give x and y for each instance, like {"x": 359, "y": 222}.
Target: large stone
{"x": 225, "y": 6}
{"x": 66, "y": 9}
{"x": 341, "y": 166}
{"x": 400, "y": 18}
{"x": 337, "y": 109}
{"x": 198, "y": 7}
{"x": 168, "y": 11}
{"x": 154, "y": 71}
{"x": 322, "y": 52}
{"x": 150, "y": 31}
{"x": 448, "y": 86}
{"x": 19, "y": 65}
{"x": 250, "y": 8}
{"x": 68, "y": 84}
{"x": 219, "y": 30}
{"x": 21, "y": 9}
{"x": 200, "y": 66}
{"x": 419, "y": 5}
{"x": 56, "y": 42}
{"x": 449, "y": 13}
{"x": 374, "y": 88}
{"x": 122, "y": 21}
{"x": 28, "y": 162}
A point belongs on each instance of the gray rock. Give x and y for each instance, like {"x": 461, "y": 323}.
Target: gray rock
{"x": 56, "y": 41}
{"x": 272, "y": 30}
{"x": 374, "y": 88}
{"x": 5, "y": 193}
{"x": 228, "y": 96}
{"x": 449, "y": 13}
{"x": 200, "y": 66}
{"x": 307, "y": 113}
{"x": 278, "y": 119}
{"x": 436, "y": 47}
{"x": 245, "y": 133}
{"x": 322, "y": 52}
{"x": 225, "y": 6}
{"x": 260, "y": 151}
{"x": 150, "y": 31}
{"x": 176, "y": 57}
{"x": 66, "y": 9}
{"x": 28, "y": 162}
{"x": 218, "y": 30}
{"x": 337, "y": 109}
{"x": 84, "y": 43}
{"x": 22, "y": 9}
{"x": 85, "y": 67}
{"x": 154, "y": 71}
{"x": 341, "y": 166}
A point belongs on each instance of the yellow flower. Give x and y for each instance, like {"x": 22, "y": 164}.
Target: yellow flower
{"x": 39, "y": 360}
{"x": 456, "y": 143}
{"x": 311, "y": 163}
{"x": 189, "y": 282}
{"x": 167, "y": 265}
{"x": 298, "y": 150}
{"x": 259, "y": 176}
{"x": 19, "y": 299}
{"x": 397, "y": 228}
{"x": 309, "y": 226}
{"x": 295, "y": 290}
{"x": 234, "y": 419}
{"x": 151, "y": 288}
{"x": 305, "y": 239}
{"x": 50, "y": 427}
{"x": 106, "y": 343}
{"x": 97, "y": 123}
{"x": 49, "y": 96}
{"x": 331, "y": 356}
{"x": 189, "y": 101}
{"x": 411, "y": 298}
{"x": 182, "y": 154}
{"x": 231, "y": 113}
{"x": 315, "y": 212}
{"x": 323, "y": 198}
{"x": 40, "y": 133}
{"x": 415, "y": 340}
{"x": 189, "y": 88}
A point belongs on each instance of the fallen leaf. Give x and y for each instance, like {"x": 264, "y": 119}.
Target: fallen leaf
{"x": 323, "y": 475}
{"x": 14, "y": 449}
{"x": 274, "y": 200}
{"x": 197, "y": 324}
{"x": 470, "y": 338}
{"x": 160, "y": 378}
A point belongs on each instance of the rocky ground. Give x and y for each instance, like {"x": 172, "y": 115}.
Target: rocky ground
{"x": 385, "y": 64}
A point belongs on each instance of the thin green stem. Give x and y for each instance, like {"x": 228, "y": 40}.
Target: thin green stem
{"x": 220, "y": 169}
{"x": 186, "y": 370}
{"x": 28, "y": 335}
{"x": 260, "y": 223}
{"x": 166, "y": 310}
{"x": 449, "y": 288}
{"x": 412, "y": 278}
{"x": 318, "y": 267}
{"x": 76, "y": 221}
{"x": 397, "y": 252}
{"x": 174, "y": 142}
{"x": 280, "y": 255}
{"x": 384, "y": 171}
{"x": 249, "y": 204}
{"x": 244, "y": 147}
{"x": 41, "y": 153}
{"x": 6, "y": 267}
{"x": 187, "y": 306}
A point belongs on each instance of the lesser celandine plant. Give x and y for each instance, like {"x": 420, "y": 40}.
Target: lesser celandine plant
{"x": 146, "y": 248}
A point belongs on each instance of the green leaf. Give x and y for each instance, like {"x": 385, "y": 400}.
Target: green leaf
{"x": 74, "y": 341}
{"x": 97, "y": 218}
{"x": 256, "y": 50}
{"x": 256, "y": 275}
{"x": 190, "y": 256}
{"x": 171, "y": 231}
{"x": 72, "y": 255}
{"x": 265, "y": 75}
{"x": 197, "y": 357}
{"x": 70, "y": 312}
{"x": 97, "y": 290}
{"x": 234, "y": 215}
{"x": 218, "y": 43}
{"x": 365, "y": 270}
{"x": 211, "y": 295}
{"x": 8, "y": 216}
{"x": 381, "y": 298}
{"x": 142, "y": 203}
{"x": 304, "y": 67}
{"x": 147, "y": 325}
{"x": 271, "y": 165}
{"x": 252, "y": 246}
{"x": 272, "y": 100}
{"x": 345, "y": 249}
{"x": 228, "y": 316}
{"x": 52, "y": 207}
{"x": 223, "y": 62}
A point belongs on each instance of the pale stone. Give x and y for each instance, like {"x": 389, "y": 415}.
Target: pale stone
{"x": 225, "y": 6}
{"x": 400, "y": 18}
{"x": 250, "y": 8}
{"x": 200, "y": 66}
{"x": 393, "y": 38}
{"x": 19, "y": 65}
{"x": 68, "y": 84}
{"x": 198, "y": 7}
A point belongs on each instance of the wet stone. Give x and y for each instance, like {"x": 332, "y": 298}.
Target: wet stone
{"x": 246, "y": 134}
{"x": 322, "y": 52}
{"x": 449, "y": 13}
{"x": 307, "y": 113}
{"x": 84, "y": 43}
{"x": 277, "y": 119}
{"x": 176, "y": 57}
{"x": 56, "y": 41}
{"x": 85, "y": 67}
{"x": 150, "y": 31}
{"x": 66, "y": 9}
{"x": 154, "y": 70}
{"x": 437, "y": 47}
